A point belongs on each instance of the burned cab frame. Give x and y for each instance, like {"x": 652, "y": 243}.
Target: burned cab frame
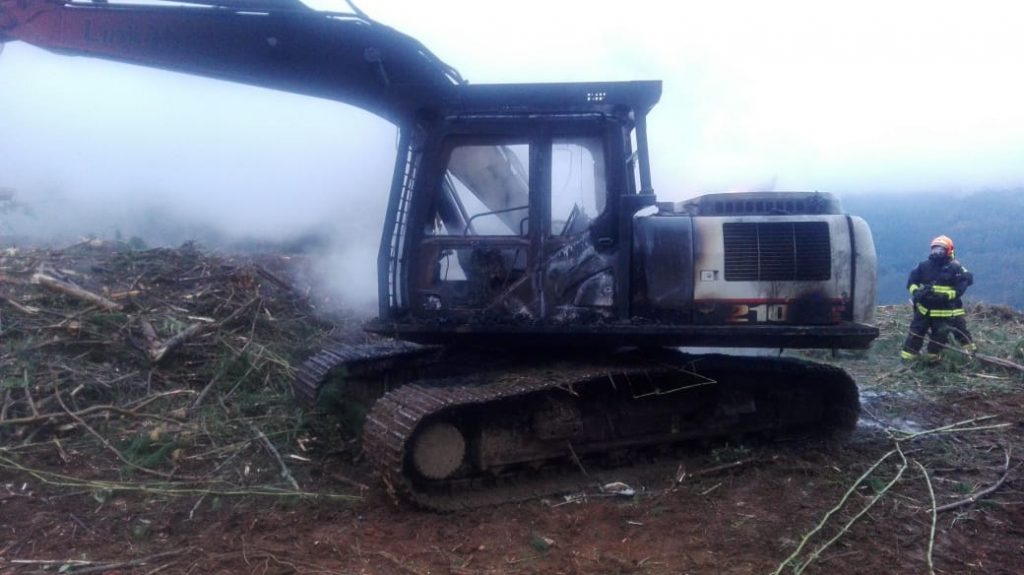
{"x": 517, "y": 221}
{"x": 514, "y": 213}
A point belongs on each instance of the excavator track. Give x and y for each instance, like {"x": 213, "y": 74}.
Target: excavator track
{"x": 412, "y": 434}
{"x": 396, "y": 417}
{"x": 359, "y": 360}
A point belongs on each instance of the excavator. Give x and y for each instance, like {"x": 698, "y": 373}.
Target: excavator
{"x": 535, "y": 297}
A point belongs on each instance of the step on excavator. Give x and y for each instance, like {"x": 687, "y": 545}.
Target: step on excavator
{"x": 534, "y": 294}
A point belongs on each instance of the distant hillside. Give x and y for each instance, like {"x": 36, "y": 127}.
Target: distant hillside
{"x": 987, "y": 227}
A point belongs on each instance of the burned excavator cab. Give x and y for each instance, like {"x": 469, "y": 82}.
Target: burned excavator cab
{"x": 499, "y": 241}
{"x": 510, "y": 209}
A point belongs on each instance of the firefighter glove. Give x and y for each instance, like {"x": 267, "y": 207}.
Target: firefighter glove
{"x": 922, "y": 293}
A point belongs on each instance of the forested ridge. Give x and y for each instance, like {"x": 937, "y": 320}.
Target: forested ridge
{"x": 987, "y": 228}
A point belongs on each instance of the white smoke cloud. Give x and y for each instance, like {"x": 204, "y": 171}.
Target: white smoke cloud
{"x": 864, "y": 96}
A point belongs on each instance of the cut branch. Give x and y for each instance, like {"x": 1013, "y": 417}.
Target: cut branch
{"x": 25, "y": 309}
{"x": 275, "y": 279}
{"x": 846, "y": 528}
{"x": 824, "y": 520}
{"x": 74, "y": 291}
{"x": 935, "y": 514}
{"x": 285, "y": 472}
{"x": 152, "y": 340}
{"x": 105, "y": 443}
{"x": 1005, "y": 363}
{"x": 159, "y": 351}
{"x": 991, "y": 360}
{"x": 97, "y": 566}
{"x": 974, "y": 497}
{"x": 168, "y": 489}
{"x": 952, "y": 428}
{"x": 84, "y": 412}
{"x": 28, "y": 394}
{"x": 5, "y": 405}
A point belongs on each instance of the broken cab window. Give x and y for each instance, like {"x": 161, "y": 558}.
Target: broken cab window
{"x": 578, "y": 188}
{"x": 485, "y": 191}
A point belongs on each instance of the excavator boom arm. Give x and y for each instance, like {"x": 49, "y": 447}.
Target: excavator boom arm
{"x": 278, "y": 44}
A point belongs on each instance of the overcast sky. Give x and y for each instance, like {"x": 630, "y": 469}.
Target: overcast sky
{"x": 842, "y": 96}
{"x": 848, "y": 97}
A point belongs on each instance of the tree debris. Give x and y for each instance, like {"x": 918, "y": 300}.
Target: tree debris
{"x": 999, "y": 362}
{"x": 126, "y": 380}
{"x": 72, "y": 290}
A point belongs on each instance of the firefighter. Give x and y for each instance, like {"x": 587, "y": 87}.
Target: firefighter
{"x": 936, "y": 286}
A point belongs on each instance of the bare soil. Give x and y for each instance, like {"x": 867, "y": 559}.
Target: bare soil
{"x": 69, "y": 504}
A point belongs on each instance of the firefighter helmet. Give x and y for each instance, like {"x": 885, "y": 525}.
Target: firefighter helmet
{"x": 943, "y": 242}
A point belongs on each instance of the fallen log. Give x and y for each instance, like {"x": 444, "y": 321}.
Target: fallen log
{"x": 74, "y": 291}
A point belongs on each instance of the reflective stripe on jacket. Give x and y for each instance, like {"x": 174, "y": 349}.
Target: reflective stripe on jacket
{"x": 939, "y": 312}
{"x": 948, "y": 280}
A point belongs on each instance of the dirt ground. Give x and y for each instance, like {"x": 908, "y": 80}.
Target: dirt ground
{"x": 943, "y": 439}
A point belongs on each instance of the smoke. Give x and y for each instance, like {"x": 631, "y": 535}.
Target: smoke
{"x": 124, "y": 152}
{"x": 866, "y": 97}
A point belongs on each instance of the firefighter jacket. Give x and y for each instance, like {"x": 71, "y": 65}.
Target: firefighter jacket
{"x": 937, "y": 286}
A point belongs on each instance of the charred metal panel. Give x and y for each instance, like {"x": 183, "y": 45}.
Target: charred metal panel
{"x": 764, "y": 204}
{"x": 576, "y": 275}
{"x": 777, "y": 251}
{"x": 865, "y": 281}
{"x": 663, "y": 267}
{"x": 753, "y": 269}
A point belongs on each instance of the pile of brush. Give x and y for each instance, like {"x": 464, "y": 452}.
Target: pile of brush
{"x": 173, "y": 363}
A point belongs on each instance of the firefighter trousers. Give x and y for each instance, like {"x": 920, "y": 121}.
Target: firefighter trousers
{"x": 940, "y": 328}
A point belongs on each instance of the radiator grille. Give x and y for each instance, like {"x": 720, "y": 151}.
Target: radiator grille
{"x": 777, "y": 251}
